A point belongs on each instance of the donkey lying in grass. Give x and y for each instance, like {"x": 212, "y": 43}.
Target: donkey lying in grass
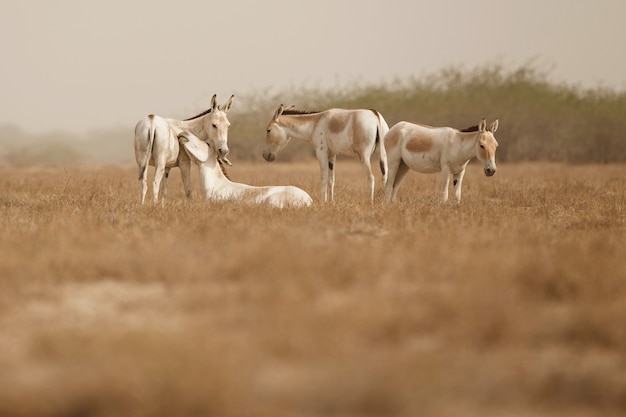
{"x": 429, "y": 149}
{"x": 156, "y": 143}
{"x": 332, "y": 132}
{"x": 217, "y": 186}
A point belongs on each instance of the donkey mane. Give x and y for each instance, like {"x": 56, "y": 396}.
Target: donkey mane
{"x": 198, "y": 115}
{"x": 296, "y": 111}
{"x": 470, "y": 129}
{"x": 223, "y": 168}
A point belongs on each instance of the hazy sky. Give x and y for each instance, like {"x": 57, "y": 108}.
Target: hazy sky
{"x": 78, "y": 65}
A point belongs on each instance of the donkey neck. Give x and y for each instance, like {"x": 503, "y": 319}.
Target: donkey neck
{"x": 195, "y": 126}
{"x": 211, "y": 174}
{"x": 468, "y": 142}
{"x": 300, "y": 126}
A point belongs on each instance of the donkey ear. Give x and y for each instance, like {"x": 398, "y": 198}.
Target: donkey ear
{"x": 482, "y": 125}
{"x": 195, "y": 148}
{"x": 494, "y": 126}
{"x": 278, "y": 112}
{"x": 214, "y": 102}
{"x": 229, "y": 104}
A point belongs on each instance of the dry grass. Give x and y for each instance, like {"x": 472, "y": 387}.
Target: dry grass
{"x": 511, "y": 304}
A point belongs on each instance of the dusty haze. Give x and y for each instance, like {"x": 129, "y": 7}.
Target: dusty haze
{"x": 80, "y": 66}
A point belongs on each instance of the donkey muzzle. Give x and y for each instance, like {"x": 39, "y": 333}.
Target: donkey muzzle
{"x": 269, "y": 156}
{"x": 222, "y": 152}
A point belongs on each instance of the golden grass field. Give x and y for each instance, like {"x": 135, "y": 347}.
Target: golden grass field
{"x": 511, "y": 304}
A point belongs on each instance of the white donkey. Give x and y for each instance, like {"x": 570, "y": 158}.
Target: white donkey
{"x": 429, "y": 149}
{"x": 332, "y": 132}
{"x": 156, "y": 144}
{"x": 217, "y": 186}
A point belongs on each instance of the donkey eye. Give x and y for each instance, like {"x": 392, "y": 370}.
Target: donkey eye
{"x": 214, "y": 126}
{"x": 269, "y": 130}
{"x": 482, "y": 147}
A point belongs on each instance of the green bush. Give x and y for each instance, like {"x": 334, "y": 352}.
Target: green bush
{"x": 539, "y": 120}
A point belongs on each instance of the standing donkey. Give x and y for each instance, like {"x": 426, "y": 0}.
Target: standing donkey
{"x": 332, "y": 132}
{"x": 156, "y": 144}
{"x": 429, "y": 149}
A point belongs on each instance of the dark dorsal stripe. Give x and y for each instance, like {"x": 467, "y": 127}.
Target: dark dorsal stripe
{"x": 199, "y": 115}
{"x": 296, "y": 112}
{"x": 470, "y": 129}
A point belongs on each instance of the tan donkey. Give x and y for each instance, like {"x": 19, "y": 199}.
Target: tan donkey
{"x": 429, "y": 149}
{"x": 332, "y": 132}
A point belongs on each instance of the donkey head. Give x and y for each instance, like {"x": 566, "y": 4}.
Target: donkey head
{"x": 276, "y": 138}
{"x": 216, "y": 126}
{"x": 486, "y": 147}
{"x": 200, "y": 152}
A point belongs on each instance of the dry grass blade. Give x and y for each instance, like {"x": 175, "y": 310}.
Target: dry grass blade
{"x": 510, "y": 304}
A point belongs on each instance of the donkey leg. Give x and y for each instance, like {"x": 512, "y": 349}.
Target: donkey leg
{"x": 143, "y": 184}
{"x": 367, "y": 168}
{"x": 323, "y": 160}
{"x": 396, "y": 170}
{"x": 166, "y": 176}
{"x": 457, "y": 182}
{"x": 394, "y": 184}
{"x": 156, "y": 183}
{"x": 445, "y": 181}
{"x": 392, "y": 169}
{"x": 185, "y": 173}
{"x": 331, "y": 176}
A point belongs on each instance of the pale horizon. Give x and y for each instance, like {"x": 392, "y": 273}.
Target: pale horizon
{"x": 74, "y": 66}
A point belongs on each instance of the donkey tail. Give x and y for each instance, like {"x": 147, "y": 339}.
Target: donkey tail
{"x": 383, "y": 128}
{"x": 151, "y": 134}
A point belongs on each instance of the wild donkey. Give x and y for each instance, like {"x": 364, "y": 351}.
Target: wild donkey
{"x": 156, "y": 144}
{"x": 429, "y": 149}
{"x": 332, "y": 132}
{"x": 217, "y": 186}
